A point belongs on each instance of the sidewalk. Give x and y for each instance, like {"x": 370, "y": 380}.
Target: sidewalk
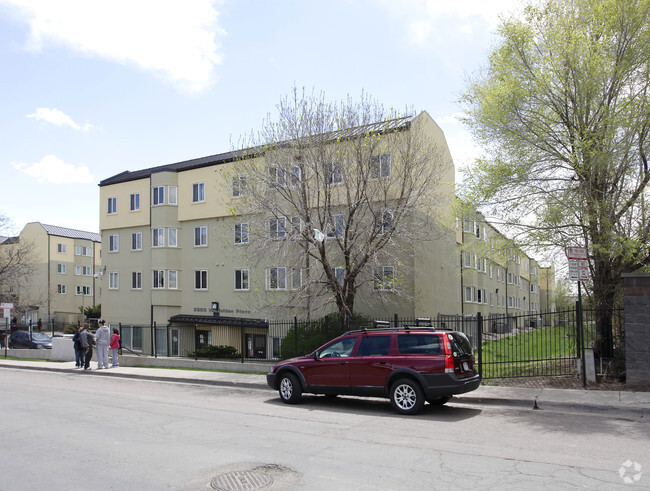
{"x": 595, "y": 400}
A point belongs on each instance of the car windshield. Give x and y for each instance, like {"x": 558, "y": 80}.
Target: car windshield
{"x": 39, "y": 336}
{"x": 340, "y": 348}
{"x": 460, "y": 345}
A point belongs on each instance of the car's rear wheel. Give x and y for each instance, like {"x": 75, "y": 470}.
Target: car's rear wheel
{"x": 406, "y": 396}
{"x": 439, "y": 401}
{"x": 290, "y": 390}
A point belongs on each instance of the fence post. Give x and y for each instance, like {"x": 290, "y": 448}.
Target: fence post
{"x": 243, "y": 342}
{"x": 479, "y": 342}
{"x": 295, "y": 335}
{"x": 581, "y": 337}
{"x": 396, "y": 320}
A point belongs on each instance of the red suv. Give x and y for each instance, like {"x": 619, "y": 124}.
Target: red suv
{"x": 408, "y": 365}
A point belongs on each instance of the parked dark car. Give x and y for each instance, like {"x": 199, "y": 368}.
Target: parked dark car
{"x": 406, "y": 365}
{"x": 21, "y": 339}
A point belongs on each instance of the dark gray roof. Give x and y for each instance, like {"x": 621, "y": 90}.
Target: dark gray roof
{"x": 222, "y": 158}
{"x": 71, "y": 233}
{"x": 9, "y": 240}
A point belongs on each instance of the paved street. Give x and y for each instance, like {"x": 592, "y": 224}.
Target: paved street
{"x": 66, "y": 430}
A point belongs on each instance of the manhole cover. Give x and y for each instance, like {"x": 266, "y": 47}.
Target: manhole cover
{"x": 241, "y": 480}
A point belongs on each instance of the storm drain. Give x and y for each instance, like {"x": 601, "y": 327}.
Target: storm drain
{"x": 241, "y": 481}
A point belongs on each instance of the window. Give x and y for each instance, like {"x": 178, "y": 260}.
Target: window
{"x": 238, "y": 186}
{"x": 385, "y": 278}
{"x": 172, "y": 279}
{"x": 173, "y": 195}
{"x": 295, "y": 176}
{"x": 386, "y": 221}
{"x": 277, "y": 227}
{"x": 241, "y": 279}
{"x": 418, "y": 344}
{"x": 136, "y": 241}
{"x": 60, "y": 248}
{"x": 277, "y": 278}
{"x": 113, "y": 281}
{"x": 113, "y": 243}
{"x": 198, "y": 192}
{"x": 277, "y": 176}
{"x": 201, "y": 279}
{"x": 158, "y": 239}
{"x": 84, "y": 290}
{"x": 380, "y": 166}
{"x": 339, "y": 274}
{"x": 337, "y": 229}
{"x": 112, "y": 205}
{"x": 60, "y": 289}
{"x": 200, "y": 236}
{"x": 61, "y": 268}
{"x": 172, "y": 237}
{"x": 241, "y": 233}
{"x": 158, "y": 197}
{"x": 83, "y": 271}
{"x": 158, "y": 278}
{"x": 296, "y": 224}
{"x": 134, "y": 202}
{"x": 296, "y": 278}
{"x": 136, "y": 280}
{"x": 333, "y": 173}
{"x": 469, "y": 294}
{"x": 131, "y": 337}
{"x": 374, "y": 346}
{"x": 83, "y": 251}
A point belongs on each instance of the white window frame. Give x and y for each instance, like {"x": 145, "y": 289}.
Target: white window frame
{"x": 134, "y": 202}
{"x": 296, "y": 278}
{"x": 172, "y": 195}
{"x": 380, "y": 166}
{"x": 172, "y": 279}
{"x": 113, "y": 280}
{"x": 60, "y": 248}
{"x": 201, "y": 236}
{"x": 158, "y": 237}
{"x": 158, "y": 279}
{"x": 278, "y": 227}
{"x": 60, "y": 289}
{"x": 113, "y": 243}
{"x": 112, "y": 206}
{"x": 136, "y": 280}
{"x": 137, "y": 238}
{"x": 242, "y": 276}
{"x": 333, "y": 173}
{"x": 172, "y": 237}
{"x": 61, "y": 268}
{"x": 241, "y": 235}
{"x": 276, "y": 278}
{"x": 384, "y": 272}
{"x": 198, "y": 192}
{"x": 201, "y": 279}
{"x": 158, "y": 195}
{"x": 338, "y": 228}
{"x": 238, "y": 186}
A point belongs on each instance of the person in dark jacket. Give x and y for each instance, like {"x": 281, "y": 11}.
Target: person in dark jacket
{"x": 78, "y": 350}
{"x": 87, "y": 339}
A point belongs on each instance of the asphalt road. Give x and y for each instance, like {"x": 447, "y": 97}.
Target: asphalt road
{"x": 63, "y": 431}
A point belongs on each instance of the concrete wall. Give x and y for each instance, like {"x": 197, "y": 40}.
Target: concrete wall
{"x": 636, "y": 289}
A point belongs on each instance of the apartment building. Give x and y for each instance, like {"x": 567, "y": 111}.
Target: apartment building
{"x": 64, "y": 278}
{"x": 178, "y": 250}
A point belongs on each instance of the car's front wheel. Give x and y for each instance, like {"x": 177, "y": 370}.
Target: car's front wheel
{"x": 406, "y": 396}
{"x": 290, "y": 390}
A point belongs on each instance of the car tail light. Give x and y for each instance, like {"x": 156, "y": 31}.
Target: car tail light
{"x": 449, "y": 363}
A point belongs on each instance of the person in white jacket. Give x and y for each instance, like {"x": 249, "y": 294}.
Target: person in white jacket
{"x": 103, "y": 338}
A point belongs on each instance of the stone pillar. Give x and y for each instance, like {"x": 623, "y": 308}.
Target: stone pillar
{"x": 636, "y": 290}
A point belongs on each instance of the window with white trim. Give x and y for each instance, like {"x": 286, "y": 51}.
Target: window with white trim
{"x": 158, "y": 279}
{"x": 61, "y": 269}
{"x": 241, "y": 233}
{"x": 134, "y": 202}
{"x": 172, "y": 237}
{"x": 136, "y": 241}
{"x": 385, "y": 278}
{"x": 337, "y": 228}
{"x": 277, "y": 227}
{"x": 113, "y": 243}
{"x": 380, "y": 166}
{"x": 241, "y": 279}
{"x": 333, "y": 173}
{"x": 136, "y": 280}
{"x": 276, "y": 278}
{"x": 60, "y": 289}
{"x": 60, "y": 248}
{"x": 112, "y": 205}
{"x": 158, "y": 237}
{"x": 201, "y": 236}
{"x": 201, "y": 279}
{"x": 238, "y": 186}
{"x": 113, "y": 280}
{"x": 84, "y": 290}
{"x": 296, "y": 278}
{"x": 172, "y": 279}
{"x": 198, "y": 192}
{"x": 173, "y": 194}
{"x": 158, "y": 195}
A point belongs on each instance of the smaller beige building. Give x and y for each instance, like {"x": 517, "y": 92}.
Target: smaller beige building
{"x": 65, "y": 274}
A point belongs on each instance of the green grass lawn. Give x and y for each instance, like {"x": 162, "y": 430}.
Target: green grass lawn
{"x": 545, "y": 351}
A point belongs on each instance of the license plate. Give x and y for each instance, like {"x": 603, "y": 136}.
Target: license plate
{"x": 465, "y": 366}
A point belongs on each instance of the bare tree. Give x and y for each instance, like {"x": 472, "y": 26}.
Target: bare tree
{"x": 16, "y": 262}
{"x": 340, "y": 193}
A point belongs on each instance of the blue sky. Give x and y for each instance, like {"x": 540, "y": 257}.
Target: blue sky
{"x": 91, "y": 88}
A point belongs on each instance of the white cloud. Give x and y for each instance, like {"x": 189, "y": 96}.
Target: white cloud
{"x": 172, "y": 38}
{"x": 54, "y": 170}
{"x": 57, "y": 118}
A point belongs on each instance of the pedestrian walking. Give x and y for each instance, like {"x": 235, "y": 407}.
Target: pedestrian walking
{"x": 78, "y": 350}
{"x": 87, "y": 339}
{"x": 103, "y": 338}
{"x": 115, "y": 345}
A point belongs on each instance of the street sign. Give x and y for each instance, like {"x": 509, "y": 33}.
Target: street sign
{"x": 578, "y": 263}
{"x": 6, "y": 305}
